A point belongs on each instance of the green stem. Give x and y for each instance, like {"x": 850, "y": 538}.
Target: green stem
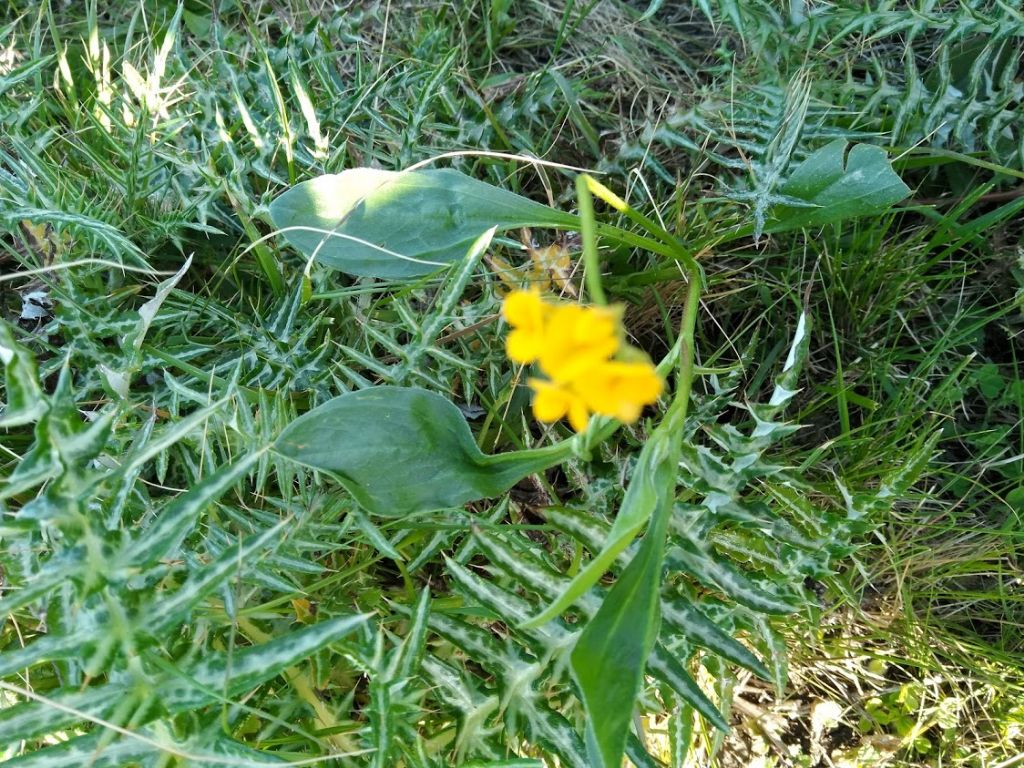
{"x": 681, "y": 253}
{"x": 676, "y": 249}
{"x": 631, "y": 238}
{"x": 588, "y": 229}
{"x": 602, "y": 427}
{"x": 676, "y": 416}
{"x": 533, "y": 459}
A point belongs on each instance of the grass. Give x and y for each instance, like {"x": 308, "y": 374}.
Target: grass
{"x": 137, "y": 135}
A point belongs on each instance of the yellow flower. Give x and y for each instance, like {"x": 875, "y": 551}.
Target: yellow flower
{"x": 575, "y": 347}
{"x": 552, "y": 402}
{"x": 526, "y": 312}
{"x": 622, "y": 389}
{"x": 577, "y": 338}
{"x": 610, "y": 388}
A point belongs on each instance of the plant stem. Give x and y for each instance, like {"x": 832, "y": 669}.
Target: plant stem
{"x": 687, "y": 333}
{"x": 588, "y": 229}
{"x": 678, "y": 250}
{"x": 625, "y": 237}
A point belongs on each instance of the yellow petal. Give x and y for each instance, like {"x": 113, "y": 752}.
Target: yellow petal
{"x": 627, "y": 413}
{"x": 600, "y": 323}
{"x": 640, "y": 381}
{"x": 579, "y": 416}
{"x": 523, "y": 346}
{"x": 621, "y": 389}
{"x": 578, "y": 338}
{"x": 600, "y": 395}
{"x": 524, "y": 309}
{"x": 550, "y": 402}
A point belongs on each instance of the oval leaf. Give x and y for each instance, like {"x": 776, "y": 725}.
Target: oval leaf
{"x": 832, "y": 189}
{"x": 400, "y": 450}
{"x": 399, "y": 224}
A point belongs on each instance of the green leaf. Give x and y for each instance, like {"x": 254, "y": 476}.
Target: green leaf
{"x": 63, "y": 441}
{"x": 164, "y": 610}
{"x": 832, "y": 190}
{"x": 399, "y": 224}
{"x": 54, "y": 572}
{"x": 178, "y": 519}
{"x": 714, "y": 572}
{"x": 637, "y": 507}
{"x": 407, "y": 658}
{"x": 25, "y": 402}
{"x": 680, "y": 735}
{"x": 217, "y": 676}
{"x": 667, "y": 668}
{"x": 47, "y": 648}
{"x": 228, "y": 675}
{"x": 87, "y": 750}
{"x": 611, "y": 653}
{"x": 61, "y": 709}
{"x": 120, "y": 380}
{"x": 637, "y": 753}
{"x": 400, "y": 450}
{"x": 151, "y": 746}
{"x": 689, "y": 620}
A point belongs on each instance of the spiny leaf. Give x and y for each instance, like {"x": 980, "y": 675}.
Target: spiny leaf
{"x": 407, "y": 659}
{"x": 54, "y": 647}
{"x": 59, "y": 710}
{"x": 637, "y": 507}
{"x": 689, "y": 620}
{"x": 234, "y": 674}
{"x": 149, "y": 746}
{"x": 165, "y": 610}
{"x": 54, "y": 572}
{"x": 218, "y": 675}
{"x": 637, "y": 753}
{"x": 663, "y": 665}
{"x": 25, "y": 402}
{"x": 179, "y": 517}
{"x": 87, "y": 750}
{"x": 715, "y": 572}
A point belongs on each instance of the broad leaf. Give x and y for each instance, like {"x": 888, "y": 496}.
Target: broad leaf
{"x": 825, "y": 189}
{"x": 400, "y": 450}
{"x": 404, "y": 224}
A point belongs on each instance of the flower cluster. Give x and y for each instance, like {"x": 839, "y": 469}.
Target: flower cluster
{"x": 582, "y": 351}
